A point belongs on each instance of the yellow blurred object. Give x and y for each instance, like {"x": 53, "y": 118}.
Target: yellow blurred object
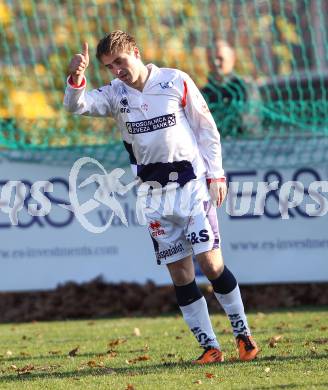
{"x": 4, "y": 113}
{"x": 5, "y": 14}
{"x": 30, "y": 105}
{"x": 61, "y": 35}
{"x": 40, "y": 70}
{"x": 27, "y": 7}
{"x": 288, "y": 31}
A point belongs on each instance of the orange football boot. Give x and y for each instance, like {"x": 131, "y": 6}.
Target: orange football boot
{"x": 248, "y": 350}
{"x": 210, "y": 355}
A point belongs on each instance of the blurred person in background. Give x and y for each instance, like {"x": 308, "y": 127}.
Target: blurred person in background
{"x": 227, "y": 94}
{"x": 170, "y": 136}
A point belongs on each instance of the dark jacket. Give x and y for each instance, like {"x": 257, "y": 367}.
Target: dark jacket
{"x": 227, "y": 103}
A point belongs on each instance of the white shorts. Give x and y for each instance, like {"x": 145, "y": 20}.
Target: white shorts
{"x": 185, "y": 227}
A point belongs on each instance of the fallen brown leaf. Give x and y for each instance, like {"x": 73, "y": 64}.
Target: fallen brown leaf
{"x": 73, "y": 352}
{"x": 111, "y": 354}
{"x": 116, "y": 342}
{"x": 54, "y": 352}
{"x": 209, "y": 375}
{"x": 274, "y": 340}
{"x": 93, "y": 363}
{"x": 25, "y": 353}
{"x": 138, "y": 359}
{"x": 130, "y": 387}
{"x": 25, "y": 370}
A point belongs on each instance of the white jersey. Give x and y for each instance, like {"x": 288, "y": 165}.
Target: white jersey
{"x": 165, "y": 128}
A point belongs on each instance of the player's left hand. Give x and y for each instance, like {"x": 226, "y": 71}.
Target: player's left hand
{"x": 218, "y": 190}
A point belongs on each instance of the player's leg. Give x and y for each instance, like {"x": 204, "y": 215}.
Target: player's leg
{"x": 225, "y": 288}
{"x": 227, "y": 292}
{"x": 203, "y": 234}
{"x": 194, "y": 309}
{"x": 173, "y": 250}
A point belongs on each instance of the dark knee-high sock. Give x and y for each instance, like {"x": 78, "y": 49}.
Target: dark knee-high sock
{"x": 227, "y": 292}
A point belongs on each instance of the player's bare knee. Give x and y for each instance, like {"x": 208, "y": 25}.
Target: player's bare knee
{"x": 211, "y": 263}
{"x": 212, "y": 271}
{"x": 182, "y": 272}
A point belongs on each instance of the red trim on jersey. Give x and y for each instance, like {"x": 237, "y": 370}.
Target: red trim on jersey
{"x": 184, "y": 97}
{"x": 71, "y": 82}
{"x": 220, "y": 180}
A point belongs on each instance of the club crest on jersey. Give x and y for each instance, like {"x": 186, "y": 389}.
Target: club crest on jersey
{"x": 124, "y": 102}
{"x": 166, "y": 84}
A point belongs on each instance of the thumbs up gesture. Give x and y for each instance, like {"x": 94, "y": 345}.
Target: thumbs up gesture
{"x": 79, "y": 64}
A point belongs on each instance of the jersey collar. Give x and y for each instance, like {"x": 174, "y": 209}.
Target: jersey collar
{"x": 152, "y": 80}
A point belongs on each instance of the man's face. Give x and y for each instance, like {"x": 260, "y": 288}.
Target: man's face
{"x": 221, "y": 59}
{"x": 123, "y": 65}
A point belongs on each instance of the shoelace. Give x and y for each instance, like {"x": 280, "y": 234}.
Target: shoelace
{"x": 248, "y": 342}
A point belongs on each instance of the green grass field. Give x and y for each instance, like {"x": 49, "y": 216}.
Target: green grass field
{"x": 155, "y": 353}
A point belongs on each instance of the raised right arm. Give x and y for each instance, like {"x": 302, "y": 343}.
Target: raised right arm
{"x": 76, "y": 100}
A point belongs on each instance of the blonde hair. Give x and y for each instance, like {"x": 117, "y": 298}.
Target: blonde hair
{"x": 115, "y": 42}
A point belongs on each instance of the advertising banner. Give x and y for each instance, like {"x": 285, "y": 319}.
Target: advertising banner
{"x": 58, "y": 226}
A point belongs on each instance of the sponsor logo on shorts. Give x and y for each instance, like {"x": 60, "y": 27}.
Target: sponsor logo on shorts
{"x": 156, "y": 228}
{"x": 157, "y": 123}
{"x": 169, "y": 252}
{"x": 196, "y": 238}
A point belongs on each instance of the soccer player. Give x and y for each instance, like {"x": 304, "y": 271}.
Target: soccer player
{"x": 171, "y": 137}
